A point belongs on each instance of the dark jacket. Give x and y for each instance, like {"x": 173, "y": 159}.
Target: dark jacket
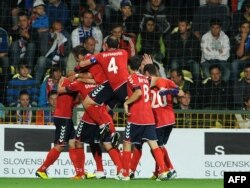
{"x": 216, "y": 97}
{"x": 177, "y": 48}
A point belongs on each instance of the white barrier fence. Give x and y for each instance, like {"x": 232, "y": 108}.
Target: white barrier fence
{"x": 195, "y": 153}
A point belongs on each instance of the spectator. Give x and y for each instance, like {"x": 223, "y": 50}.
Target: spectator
{"x": 24, "y": 43}
{"x": 4, "y": 60}
{"x": 22, "y": 81}
{"x": 89, "y": 45}
{"x": 184, "y": 101}
{"x": 241, "y": 49}
{"x": 240, "y": 16}
{"x": 182, "y": 82}
{"x": 19, "y": 6}
{"x": 157, "y": 10}
{"x": 149, "y": 59}
{"x": 127, "y": 17}
{"x": 58, "y": 10}
{"x": 216, "y": 93}
{"x": 49, "y": 84}
{"x": 80, "y": 34}
{"x": 184, "y": 50}
{"x": 125, "y": 42}
{"x": 41, "y": 20}
{"x": 242, "y": 88}
{"x": 184, "y": 119}
{"x": 22, "y": 116}
{"x": 58, "y": 52}
{"x": 203, "y": 15}
{"x": 45, "y": 117}
{"x": 92, "y": 5}
{"x": 215, "y": 49}
{"x": 244, "y": 119}
{"x": 150, "y": 40}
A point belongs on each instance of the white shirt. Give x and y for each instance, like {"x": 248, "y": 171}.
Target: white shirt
{"x": 96, "y": 33}
{"x": 210, "y": 47}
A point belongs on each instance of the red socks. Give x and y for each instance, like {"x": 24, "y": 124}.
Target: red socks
{"x": 52, "y": 156}
{"x": 158, "y": 155}
{"x": 166, "y": 158}
{"x": 126, "y": 159}
{"x": 115, "y": 156}
{"x": 78, "y": 158}
{"x": 136, "y": 158}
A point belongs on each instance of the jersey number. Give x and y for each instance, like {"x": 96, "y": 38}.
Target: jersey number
{"x": 146, "y": 92}
{"x": 157, "y": 100}
{"x": 112, "y": 66}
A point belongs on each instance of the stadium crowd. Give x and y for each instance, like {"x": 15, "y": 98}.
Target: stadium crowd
{"x": 203, "y": 46}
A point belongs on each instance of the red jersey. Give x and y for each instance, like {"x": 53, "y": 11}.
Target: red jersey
{"x": 97, "y": 72}
{"x": 141, "y": 111}
{"x": 64, "y": 103}
{"x": 163, "y": 105}
{"x": 114, "y": 65}
{"x": 81, "y": 87}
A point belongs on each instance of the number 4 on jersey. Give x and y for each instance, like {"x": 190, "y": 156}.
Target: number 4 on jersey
{"x": 112, "y": 66}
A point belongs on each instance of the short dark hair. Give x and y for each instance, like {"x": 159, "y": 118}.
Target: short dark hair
{"x": 23, "y": 92}
{"x": 135, "y": 62}
{"x": 87, "y": 12}
{"x": 23, "y": 13}
{"x": 244, "y": 22}
{"x": 151, "y": 69}
{"x": 79, "y": 50}
{"x": 112, "y": 42}
{"x": 54, "y": 68}
{"x": 215, "y": 21}
{"x": 214, "y": 67}
{"x": 22, "y": 65}
{"x": 115, "y": 25}
{"x": 178, "y": 72}
{"x": 247, "y": 65}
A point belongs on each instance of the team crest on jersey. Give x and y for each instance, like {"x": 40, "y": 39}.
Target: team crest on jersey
{"x": 97, "y": 90}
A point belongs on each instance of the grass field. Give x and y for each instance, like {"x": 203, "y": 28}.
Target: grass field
{"x": 108, "y": 183}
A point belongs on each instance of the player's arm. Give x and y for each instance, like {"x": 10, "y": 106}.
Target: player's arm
{"x": 63, "y": 89}
{"x": 87, "y": 62}
{"x": 87, "y": 80}
{"x": 134, "y": 97}
{"x": 168, "y": 87}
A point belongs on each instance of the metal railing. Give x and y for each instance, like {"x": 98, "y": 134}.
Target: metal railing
{"x": 184, "y": 118}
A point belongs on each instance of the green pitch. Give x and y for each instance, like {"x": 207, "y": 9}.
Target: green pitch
{"x": 108, "y": 183}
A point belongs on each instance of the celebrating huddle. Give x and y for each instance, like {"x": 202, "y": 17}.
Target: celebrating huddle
{"x": 100, "y": 82}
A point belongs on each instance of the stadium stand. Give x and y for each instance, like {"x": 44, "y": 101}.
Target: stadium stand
{"x": 170, "y": 44}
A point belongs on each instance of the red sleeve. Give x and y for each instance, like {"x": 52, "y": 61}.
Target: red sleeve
{"x": 98, "y": 57}
{"x": 74, "y": 86}
{"x": 165, "y": 83}
{"x": 133, "y": 82}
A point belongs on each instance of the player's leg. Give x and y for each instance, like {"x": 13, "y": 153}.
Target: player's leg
{"x": 97, "y": 154}
{"x": 137, "y": 152}
{"x": 100, "y": 116}
{"x": 150, "y": 136}
{"x": 76, "y": 152}
{"x": 166, "y": 133}
{"x": 54, "y": 153}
